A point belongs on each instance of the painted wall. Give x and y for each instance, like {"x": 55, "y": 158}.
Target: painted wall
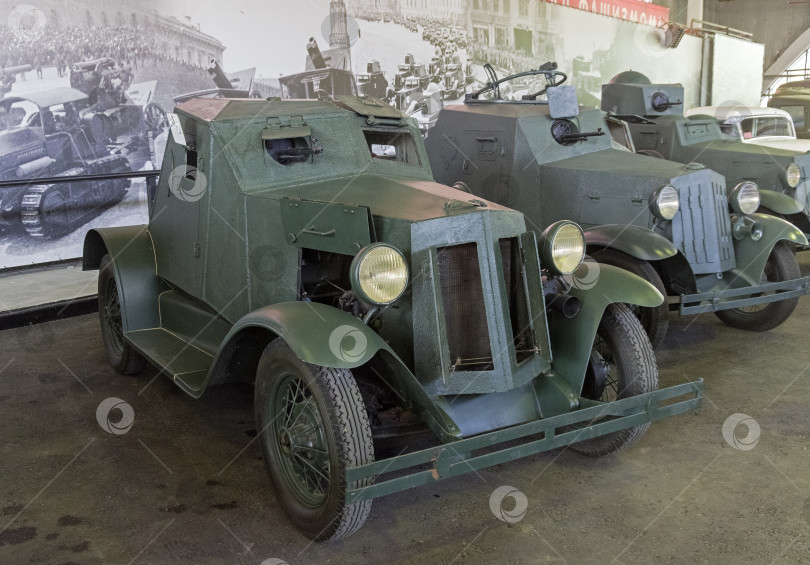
{"x": 733, "y": 71}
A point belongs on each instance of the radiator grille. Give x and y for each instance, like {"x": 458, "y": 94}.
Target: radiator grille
{"x": 464, "y": 311}
{"x": 516, "y": 299}
{"x": 702, "y": 228}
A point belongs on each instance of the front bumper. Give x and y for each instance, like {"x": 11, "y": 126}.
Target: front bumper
{"x": 456, "y": 458}
{"x": 742, "y": 297}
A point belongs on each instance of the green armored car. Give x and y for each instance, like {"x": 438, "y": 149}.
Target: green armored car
{"x": 655, "y": 119}
{"x": 666, "y": 222}
{"x": 303, "y": 246}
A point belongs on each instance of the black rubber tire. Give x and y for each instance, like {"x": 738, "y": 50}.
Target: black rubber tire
{"x": 655, "y": 319}
{"x": 346, "y": 434}
{"x": 622, "y": 335}
{"x": 781, "y": 266}
{"x": 121, "y": 355}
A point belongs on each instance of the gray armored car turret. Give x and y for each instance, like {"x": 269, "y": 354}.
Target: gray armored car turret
{"x": 664, "y": 221}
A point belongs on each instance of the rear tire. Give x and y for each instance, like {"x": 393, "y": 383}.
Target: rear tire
{"x": 622, "y": 365}
{"x": 121, "y": 355}
{"x": 313, "y": 426}
{"x": 654, "y": 319}
{"x": 781, "y": 266}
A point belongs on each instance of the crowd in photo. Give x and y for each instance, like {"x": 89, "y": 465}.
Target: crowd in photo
{"x": 63, "y": 46}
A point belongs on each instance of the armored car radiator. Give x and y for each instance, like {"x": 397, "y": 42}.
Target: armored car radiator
{"x": 464, "y": 312}
{"x": 702, "y": 228}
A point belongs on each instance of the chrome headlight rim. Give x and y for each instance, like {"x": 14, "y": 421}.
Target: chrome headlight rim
{"x": 743, "y": 200}
{"x": 793, "y": 175}
{"x": 356, "y": 277}
{"x": 665, "y": 202}
{"x": 547, "y": 246}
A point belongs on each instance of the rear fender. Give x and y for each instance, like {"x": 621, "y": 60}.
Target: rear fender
{"x": 572, "y": 338}
{"x": 133, "y": 259}
{"x": 636, "y": 241}
{"x": 779, "y": 203}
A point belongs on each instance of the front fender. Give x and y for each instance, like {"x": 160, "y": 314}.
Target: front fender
{"x": 636, "y": 241}
{"x": 317, "y": 333}
{"x": 779, "y": 203}
{"x": 752, "y": 255}
{"x": 133, "y": 256}
{"x": 572, "y": 338}
{"x": 325, "y": 336}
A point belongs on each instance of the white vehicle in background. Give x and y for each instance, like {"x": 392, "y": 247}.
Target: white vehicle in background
{"x": 770, "y": 127}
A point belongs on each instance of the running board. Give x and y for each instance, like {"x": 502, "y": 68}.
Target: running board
{"x": 181, "y": 361}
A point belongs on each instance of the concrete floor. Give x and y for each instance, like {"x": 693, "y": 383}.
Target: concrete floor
{"x": 187, "y": 485}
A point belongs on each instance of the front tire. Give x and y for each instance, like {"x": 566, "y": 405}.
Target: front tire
{"x": 313, "y": 426}
{"x": 781, "y": 266}
{"x": 654, "y": 319}
{"x": 622, "y": 365}
{"x": 121, "y": 355}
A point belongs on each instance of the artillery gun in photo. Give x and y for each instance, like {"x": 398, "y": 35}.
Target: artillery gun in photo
{"x": 121, "y": 112}
{"x": 224, "y": 86}
{"x": 8, "y": 76}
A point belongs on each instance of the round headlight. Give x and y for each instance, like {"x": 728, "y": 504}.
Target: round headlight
{"x": 745, "y": 198}
{"x": 665, "y": 202}
{"x": 793, "y": 174}
{"x": 379, "y": 274}
{"x": 563, "y": 246}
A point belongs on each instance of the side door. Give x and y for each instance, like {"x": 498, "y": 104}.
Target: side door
{"x": 178, "y": 211}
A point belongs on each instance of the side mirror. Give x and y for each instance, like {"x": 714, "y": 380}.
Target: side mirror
{"x": 562, "y": 102}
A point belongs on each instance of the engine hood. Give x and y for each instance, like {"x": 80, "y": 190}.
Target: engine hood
{"x": 392, "y": 198}
{"x": 614, "y": 172}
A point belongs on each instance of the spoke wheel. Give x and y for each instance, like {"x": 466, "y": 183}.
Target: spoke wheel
{"x": 622, "y": 365}
{"x": 781, "y": 266}
{"x": 155, "y": 117}
{"x": 120, "y": 354}
{"x": 301, "y": 440}
{"x": 655, "y": 319}
{"x": 313, "y": 427}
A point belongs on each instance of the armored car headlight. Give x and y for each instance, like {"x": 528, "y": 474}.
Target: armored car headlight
{"x": 665, "y": 202}
{"x": 563, "y": 247}
{"x": 793, "y": 175}
{"x": 379, "y": 274}
{"x": 744, "y": 198}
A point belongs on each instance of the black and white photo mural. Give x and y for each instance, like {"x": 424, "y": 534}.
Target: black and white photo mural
{"x": 86, "y": 85}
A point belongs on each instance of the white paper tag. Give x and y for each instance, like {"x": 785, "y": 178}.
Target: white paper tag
{"x": 176, "y": 128}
